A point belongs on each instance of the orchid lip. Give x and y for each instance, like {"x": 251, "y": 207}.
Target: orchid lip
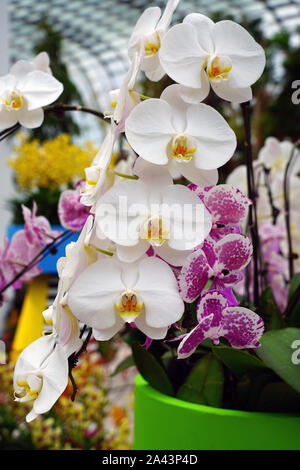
{"x": 152, "y": 44}
{"x": 12, "y": 100}
{"x": 129, "y": 306}
{"x": 182, "y": 148}
{"x": 154, "y": 231}
{"x": 218, "y": 68}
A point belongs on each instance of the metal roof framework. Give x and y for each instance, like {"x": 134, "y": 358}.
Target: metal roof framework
{"x": 96, "y": 32}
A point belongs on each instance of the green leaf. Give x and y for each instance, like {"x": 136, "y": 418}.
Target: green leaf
{"x": 277, "y": 352}
{"x": 238, "y": 361}
{"x": 294, "y": 316}
{"x": 127, "y": 362}
{"x": 204, "y": 384}
{"x": 269, "y": 311}
{"x": 151, "y": 369}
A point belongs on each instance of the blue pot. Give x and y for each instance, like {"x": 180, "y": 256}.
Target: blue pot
{"x": 48, "y": 264}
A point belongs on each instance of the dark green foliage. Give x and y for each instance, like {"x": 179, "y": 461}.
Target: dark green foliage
{"x": 53, "y": 125}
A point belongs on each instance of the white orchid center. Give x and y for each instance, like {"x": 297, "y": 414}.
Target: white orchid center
{"x": 31, "y": 385}
{"x": 278, "y": 164}
{"x": 218, "y": 68}
{"x": 152, "y": 44}
{"x": 155, "y": 230}
{"x": 182, "y": 148}
{"x": 12, "y": 100}
{"x": 129, "y": 306}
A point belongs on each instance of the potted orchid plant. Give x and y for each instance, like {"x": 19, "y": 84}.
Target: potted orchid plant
{"x": 164, "y": 257}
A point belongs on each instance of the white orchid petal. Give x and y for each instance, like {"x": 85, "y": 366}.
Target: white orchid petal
{"x": 39, "y": 89}
{"x": 181, "y": 55}
{"x": 153, "y": 333}
{"x": 216, "y": 141}
{"x": 196, "y": 95}
{"x": 189, "y": 220}
{"x": 204, "y": 27}
{"x": 159, "y": 313}
{"x": 171, "y": 256}
{"x": 231, "y": 93}
{"x": 149, "y": 129}
{"x": 247, "y": 56}
{"x": 93, "y": 295}
{"x": 55, "y": 380}
{"x": 145, "y": 25}
{"x": 31, "y": 119}
{"x": 21, "y": 68}
{"x": 166, "y": 17}
{"x": 108, "y": 333}
{"x": 8, "y": 118}
{"x": 129, "y": 254}
{"x": 201, "y": 178}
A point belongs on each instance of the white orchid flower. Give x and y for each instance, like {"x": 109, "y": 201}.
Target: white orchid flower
{"x": 41, "y": 374}
{"x": 199, "y": 53}
{"x": 124, "y": 99}
{"x": 42, "y": 62}
{"x": 79, "y": 255}
{"x": 148, "y": 34}
{"x": 109, "y": 293}
{"x": 193, "y": 136}
{"x": 96, "y": 174}
{"x": 152, "y": 212}
{"x": 275, "y": 156}
{"x": 23, "y": 93}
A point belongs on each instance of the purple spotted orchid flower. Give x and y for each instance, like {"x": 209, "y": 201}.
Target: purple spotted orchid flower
{"x": 72, "y": 214}
{"x": 223, "y": 262}
{"x": 240, "y": 326}
{"x": 37, "y": 228}
{"x": 227, "y": 205}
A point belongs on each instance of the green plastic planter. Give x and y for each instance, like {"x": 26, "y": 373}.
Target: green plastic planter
{"x": 166, "y": 423}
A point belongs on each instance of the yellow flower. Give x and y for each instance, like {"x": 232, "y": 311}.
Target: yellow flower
{"x": 50, "y": 164}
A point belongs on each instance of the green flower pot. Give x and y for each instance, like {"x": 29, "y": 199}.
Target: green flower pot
{"x": 166, "y": 423}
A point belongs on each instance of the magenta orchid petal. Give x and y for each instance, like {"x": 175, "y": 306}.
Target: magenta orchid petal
{"x": 194, "y": 276}
{"x": 217, "y": 233}
{"x": 230, "y": 297}
{"x": 227, "y": 204}
{"x": 20, "y": 253}
{"x": 208, "y": 246}
{"x": 71, "y": 212}
{"x": 212, "y": 302}
{"x": 234, "y": 252}
{"x": 188, "y": 345}
{"x": 37, "y": 228}
{"x": 242, "y": 327}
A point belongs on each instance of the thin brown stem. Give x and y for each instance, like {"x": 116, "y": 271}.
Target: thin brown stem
{"x": 73, "y": 360}
{"x": 44, "y": 252}
{"x": 252, "y": 196}
{"x": 58, "y": 109}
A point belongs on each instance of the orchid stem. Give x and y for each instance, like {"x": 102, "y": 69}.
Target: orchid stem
{"x": 252, "y": 196}
{"x": 39, "y": 257}
{"x": 57, "y": 109}
{"x": 286, "y": 194}
{"x": 73, "y": 359}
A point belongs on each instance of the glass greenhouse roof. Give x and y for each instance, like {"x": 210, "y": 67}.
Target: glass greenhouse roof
{"x": 96, "y": 32}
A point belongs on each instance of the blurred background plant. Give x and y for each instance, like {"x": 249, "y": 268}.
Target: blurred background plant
{"x": 90, "y": 422}
{"x": 43, "y": 169}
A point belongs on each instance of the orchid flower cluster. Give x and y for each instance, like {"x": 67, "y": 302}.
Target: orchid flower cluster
{"x": 149, "y": 247}
{"x": 270, "y": 175}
